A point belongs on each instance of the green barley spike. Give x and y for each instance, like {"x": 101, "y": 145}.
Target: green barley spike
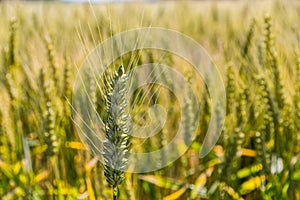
{"x": 279, "y": 87}
{"x": 11, "y": 86}
{"x": 117, "y": 139}
{"x": 249, "y": 38}
{"x": 231, "y": 154}
{"x": 67, "y": 96}
{"x": 271, "y": 60}
{"x": 206, "y": 112}
{"x": 267, "y": 108}
{"x": 241, "y": 109}
{"x": 261, "y": 150}
{"x": 49, "y": 133}
{"x": 268, "y": 40}
{"x": 230, "y": 91}
{"x": 52, "y": 60}
{"x": 287, "y": 143}
{"x": 12, "y": 43}
{"x": 188, "y": 121}
{"x": 272, "y": 128}
{"x": 67, "y": 86}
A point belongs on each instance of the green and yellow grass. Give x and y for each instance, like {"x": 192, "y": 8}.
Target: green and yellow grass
{"x": 256, "y": 47}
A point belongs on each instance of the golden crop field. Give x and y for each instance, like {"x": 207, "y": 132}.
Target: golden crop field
{"x": 158, "y": 100}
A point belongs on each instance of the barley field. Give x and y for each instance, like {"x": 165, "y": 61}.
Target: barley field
{"x": 255, "y": 46}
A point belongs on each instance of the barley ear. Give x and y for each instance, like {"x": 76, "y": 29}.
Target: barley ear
{"x": 12, "y": 43}
{"x": 116, "y": 144}
{"x": 249, "y": 39}
{"x": 230, "y": 91}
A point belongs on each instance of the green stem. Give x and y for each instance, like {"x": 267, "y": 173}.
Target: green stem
{"x": 115, "y": 192}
